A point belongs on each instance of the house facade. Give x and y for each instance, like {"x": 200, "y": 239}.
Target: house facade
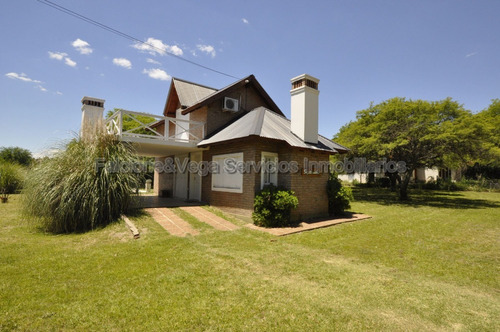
{"x": 223, "y": 146}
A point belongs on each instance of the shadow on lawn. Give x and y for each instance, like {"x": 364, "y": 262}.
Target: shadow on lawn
{"x": 422, "y": 198}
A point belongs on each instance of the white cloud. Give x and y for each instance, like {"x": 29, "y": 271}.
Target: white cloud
{"x": 244, "y": 20}
{"x": 41, "y": 88}
{"x": 69, "y": 62}
{"x": 58, "y": 93}
{"x": 209, "y": 49}
{"x": 82, "y": 46}
{"x": 470, "y": 54}
{"x": 176, "y": 50}
{"x": 62, "y": 56}
{"x": 122, "y": 62}
{"x": 149, "y": 60}
{"x": 156, "y": 46}
{"x": 157, "y": 74}
{"x": 22, "y": 77}
{"x": 57, "y": 55}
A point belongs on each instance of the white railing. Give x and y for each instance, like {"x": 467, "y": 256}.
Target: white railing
{"x": 154, "y": 127}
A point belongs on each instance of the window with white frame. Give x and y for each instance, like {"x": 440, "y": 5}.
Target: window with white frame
{"x": 269, "y": 169}
{"x": 228, "y": 177}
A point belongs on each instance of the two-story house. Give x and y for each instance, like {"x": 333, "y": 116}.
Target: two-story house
{"x": 240, "y": 127}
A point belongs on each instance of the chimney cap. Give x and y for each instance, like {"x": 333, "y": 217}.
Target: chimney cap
{"x": 303, "y": 81}
{"x": 305, "y": 76}
{"x": 93, "y": 101}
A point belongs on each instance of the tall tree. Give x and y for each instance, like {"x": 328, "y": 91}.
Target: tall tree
{"x": 417, "y": 132}
{"x": 489, "y": 120}
{"x": 16, "y": 155}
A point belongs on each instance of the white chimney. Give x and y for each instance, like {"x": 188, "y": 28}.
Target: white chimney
{"x": 92, "y": 117}
{"x": 305, "y": 96}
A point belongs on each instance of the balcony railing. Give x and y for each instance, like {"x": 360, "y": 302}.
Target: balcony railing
{"x": 129, "y": 125}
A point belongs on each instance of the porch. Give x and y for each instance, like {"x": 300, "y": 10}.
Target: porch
{"x": 160, "y": 137}
{"x": 154, "y": 135}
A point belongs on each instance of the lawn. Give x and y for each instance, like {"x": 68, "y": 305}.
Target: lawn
{"x": 430, "y": 264}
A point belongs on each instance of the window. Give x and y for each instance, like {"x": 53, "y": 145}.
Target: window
{"x": 229, "y": 177}
{"x": 269, "y": 169}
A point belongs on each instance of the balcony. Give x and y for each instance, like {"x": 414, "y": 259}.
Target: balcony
{"x": 154, "y": 135}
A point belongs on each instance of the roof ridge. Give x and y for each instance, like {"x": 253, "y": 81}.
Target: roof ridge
{"x": 224, "y": 88}
{"x": 193, "y": 83}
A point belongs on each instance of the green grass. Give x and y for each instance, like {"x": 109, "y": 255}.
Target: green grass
{"x": 430, "y": 264}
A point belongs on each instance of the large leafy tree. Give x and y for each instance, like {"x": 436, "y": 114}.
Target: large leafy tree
{"x": 417, "y": 132}
{"x": 489, "y": 120}
{"x": 16, "y": 155}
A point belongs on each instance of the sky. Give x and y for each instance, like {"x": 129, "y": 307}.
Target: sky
{"x": 361, "y": 50}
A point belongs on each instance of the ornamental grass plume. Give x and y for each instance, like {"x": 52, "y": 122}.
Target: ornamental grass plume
{"x": 68, "y": 193}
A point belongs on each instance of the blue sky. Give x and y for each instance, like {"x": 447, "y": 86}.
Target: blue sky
{"x": 361, "y": 50}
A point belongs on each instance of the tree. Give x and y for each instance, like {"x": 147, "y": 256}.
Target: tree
{"x": 16, "y": 155}
{"x": 489, "y": 120}
{"x": 11, "y": 178}
{"x": 417, "y": 132}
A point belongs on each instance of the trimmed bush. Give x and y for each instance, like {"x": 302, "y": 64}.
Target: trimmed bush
{"x": 339, "y": 197}
{"x": 273, "y": 207}
{"x": 11, "y": 179}
{"x": 68, "y": 193}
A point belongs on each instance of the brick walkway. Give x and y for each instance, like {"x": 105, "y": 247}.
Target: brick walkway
{"x": 208, "y": 217}
{"x": 174, "y": 224}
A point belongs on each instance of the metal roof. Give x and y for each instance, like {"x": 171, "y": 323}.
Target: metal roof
{"x": 265, "y": 123}
{"x": 190, "y": 93}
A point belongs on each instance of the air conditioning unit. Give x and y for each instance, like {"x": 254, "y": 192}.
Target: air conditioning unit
{"x": 230, "y": 105}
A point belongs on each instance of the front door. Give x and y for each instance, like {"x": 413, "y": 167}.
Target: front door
{"x": 195, "y": 179}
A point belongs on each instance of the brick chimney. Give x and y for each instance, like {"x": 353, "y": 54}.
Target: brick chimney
{"x": 304, "y": 100}
{"x": 92, "y": 117}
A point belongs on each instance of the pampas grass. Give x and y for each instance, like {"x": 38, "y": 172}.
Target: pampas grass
{"x": 68, "y": 193}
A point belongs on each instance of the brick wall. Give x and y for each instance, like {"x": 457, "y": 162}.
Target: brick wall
{"x": 163, "y": 181}
{"x": 310, "y": 189}
{"x": 225, "y": 199}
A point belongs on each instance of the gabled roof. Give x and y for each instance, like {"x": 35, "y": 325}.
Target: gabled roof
{"x": 220, "y": 93}
{"x": 265, "y": 123}
{"x": 186, "y": 93}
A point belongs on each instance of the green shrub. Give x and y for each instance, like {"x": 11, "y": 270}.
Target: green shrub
{"x": 273, "y": 207}
{"x": 384, "y": 182}
{"x": 68, "y": 193}
{"x": 481, "y": 184}
{"x": 11, "y": 179}
{"x": 441, "y": 184}
{"x": 339, "y": 197}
